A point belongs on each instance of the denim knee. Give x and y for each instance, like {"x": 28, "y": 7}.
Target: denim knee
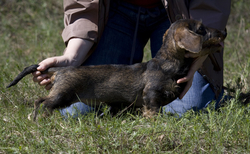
{"x": 198, "y": 97}
{"x": 75, "y": 110}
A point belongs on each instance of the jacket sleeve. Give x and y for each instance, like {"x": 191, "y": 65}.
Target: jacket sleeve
{"x": 80, "y": 19}
{"x": 213, "y": 13}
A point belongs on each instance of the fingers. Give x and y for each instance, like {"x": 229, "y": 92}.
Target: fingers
{"x": 182, "y": 80}
{"x": 48, "y": 86}
{"x": 191, "y": 55}
{"x": 39, "y": 77}
{"x": 189, "y": 80}
{"x": 44, "y": 79}
{"x": 58, "y": 61}
{"x": 197, "y": 63}
{"x": 187, "y": 87}
{"x": 36, "y": 74}
{"x": 49, "y": 62}
{"x": 188, "y": 77}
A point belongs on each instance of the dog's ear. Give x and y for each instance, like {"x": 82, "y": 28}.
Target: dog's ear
{"x": 188, "y": 40}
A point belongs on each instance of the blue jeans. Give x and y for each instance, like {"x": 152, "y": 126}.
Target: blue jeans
{"x": 119, "y": 40}
{"x": 198, "y": 97}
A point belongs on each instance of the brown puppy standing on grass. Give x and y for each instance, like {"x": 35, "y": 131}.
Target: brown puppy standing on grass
{"x": 149, "y": 85}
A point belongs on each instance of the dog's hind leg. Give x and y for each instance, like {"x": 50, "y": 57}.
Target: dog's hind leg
{"x": 47, "y": 108}
{"x": 37, "y": 106}
{"x": 57, "y": 99}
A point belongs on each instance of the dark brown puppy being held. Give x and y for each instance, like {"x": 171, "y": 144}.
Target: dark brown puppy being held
{"x": 149, "y": 85}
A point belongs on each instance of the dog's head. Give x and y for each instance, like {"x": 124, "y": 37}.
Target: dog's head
{"x": 192, "y": 36}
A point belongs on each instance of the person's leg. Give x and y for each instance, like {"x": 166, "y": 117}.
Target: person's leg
{"x": 159, "y": 30}
{"x": 75, "y": 109}
{"x": 198, "y": 97}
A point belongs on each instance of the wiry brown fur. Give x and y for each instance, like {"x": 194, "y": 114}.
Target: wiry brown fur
{"x": 151, "y": 84}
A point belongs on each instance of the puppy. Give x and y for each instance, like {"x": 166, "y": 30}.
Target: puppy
{"x": 151, "y": 84}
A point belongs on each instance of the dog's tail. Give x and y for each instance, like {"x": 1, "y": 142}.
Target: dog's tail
{"x": 26, "y": 71}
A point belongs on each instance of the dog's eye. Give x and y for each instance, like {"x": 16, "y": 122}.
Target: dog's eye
{"x": 201, "y": 30}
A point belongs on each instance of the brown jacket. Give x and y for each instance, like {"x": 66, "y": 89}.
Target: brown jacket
{"x": 86, "y": 19}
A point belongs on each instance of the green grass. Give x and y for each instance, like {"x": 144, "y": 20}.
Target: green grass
{"x": 237, "y": 46}
{"x": 30, "y": 31}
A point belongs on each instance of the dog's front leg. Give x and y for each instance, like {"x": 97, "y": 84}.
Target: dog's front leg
{"x": 151, "y": 105}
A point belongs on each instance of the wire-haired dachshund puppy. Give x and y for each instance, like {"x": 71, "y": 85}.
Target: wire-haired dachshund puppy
{"x": 150, "y": 85}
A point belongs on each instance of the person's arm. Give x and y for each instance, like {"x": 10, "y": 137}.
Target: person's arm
{"x": 74, "y": 55}
{"x": 197, "y": 63}
{"x": 79, "y": 34}
{"x": 80, "y": 20}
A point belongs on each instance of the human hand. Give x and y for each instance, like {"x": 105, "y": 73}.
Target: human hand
{"x": 44, "y": 79}
{"x": 197, "y": 63}
{"x": 74, "y": 55}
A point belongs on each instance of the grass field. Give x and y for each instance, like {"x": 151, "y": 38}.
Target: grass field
{"x": 30, "y": 31}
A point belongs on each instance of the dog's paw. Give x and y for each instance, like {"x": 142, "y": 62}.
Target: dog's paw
{"x": 148, "y": 113}
{"x": 33, "y": 116}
